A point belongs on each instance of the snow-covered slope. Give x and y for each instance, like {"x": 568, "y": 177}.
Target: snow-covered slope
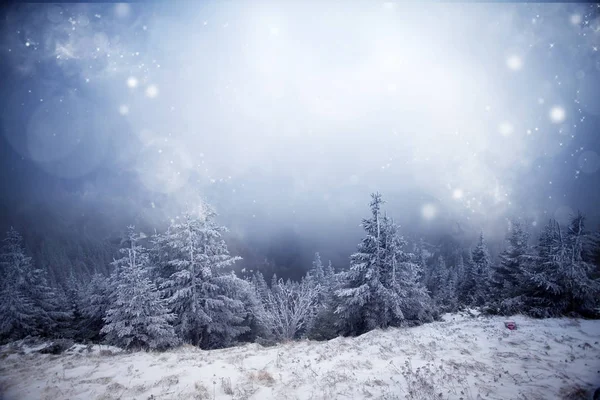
{"x": 461, "y": 357}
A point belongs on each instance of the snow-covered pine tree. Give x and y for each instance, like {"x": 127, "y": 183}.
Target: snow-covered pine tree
{"x": 73, "y": 291}
{"x": 443, "y": 286}
{"x": 118, "y": 265}
{"x": 260, "y": 329}
{"x": 18, "y": 311}
{"x": 507, "y": 277}
{"x": 437, "y": 278}
{"x": 252, "y": 298}
{"x": 50, "y": 309}
{"x": 467, "y": 285}
{"x": 227, "y": 309}
{"x": 138, "y": 318}
{"x": 381, "y": 281}
{"x": 199, "y": 289}
{"x": 323, "y": 279}
{"x": 69, "y": 296}
{"x": 420, "y": 258}
{"x": 260, "y": 285}
{"x": 481, "y": 272}
{"x": 415, "y": 302}
{"x": 160, "y": 254}
{"x": 29, "y": 305}
{"x": 322, "y": 326}
{"x": 582, "y": 288}
{"x": 365, "y": 303}
{"x": 459, "y": 268}
{"x": 591, "y": 252}
{"x": 559, "y": 279}
{"x": 317, "y": 273}
{"x": 544, "y": 273}
{"x": 449, "y": 293}
{"x": 95, "y": 304}
{"x": 329, "y": 273}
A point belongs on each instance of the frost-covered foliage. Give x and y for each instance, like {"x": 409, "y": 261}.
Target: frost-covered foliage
{"x": 17, "y": 309}
{"x": 137, "y": 318}
{"x": 28, "y": 305}
{"x": 475, "y": 288}
{"x": 198, "y": 287}
{"x": 256, "y": 330}
{"x": 180, "y": 286}
{"x": 324, "y": 279}
{"x": 382, "y": 282}
{"x": 508, "y": 275}
{"x": 442, "y": 285}
{"x": 71, "y": 301}
{"x": 558, "y": 279}
{"x": 289, "y": 308}
{"x": 95, "y": 304}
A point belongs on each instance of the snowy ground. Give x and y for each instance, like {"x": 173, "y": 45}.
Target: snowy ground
{"x": 462, "y": 357}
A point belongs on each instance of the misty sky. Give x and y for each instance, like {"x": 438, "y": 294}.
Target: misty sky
{"x": 286, "y": 116}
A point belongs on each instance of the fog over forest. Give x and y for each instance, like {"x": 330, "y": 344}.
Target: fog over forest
{"x": 286, "y": 116}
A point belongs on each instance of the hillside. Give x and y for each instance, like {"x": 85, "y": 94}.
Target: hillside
{"x": 461, "y": 357}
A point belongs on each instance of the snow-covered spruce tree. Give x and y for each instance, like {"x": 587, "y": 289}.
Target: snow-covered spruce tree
{"x": 95, "y": 304}
{"x": 582, "y": 286}
{"x": 381, "y": 281}
{"x": 442, "y": 286}
{"x": 69, "y": 296}
{"x": 481, "y": 273}
{"x": 415, "y": 302}
{"x": 459, "y": 269}
{"x": 591, "y": 253}
{"x": 289, "y": 308}
{"x": 449, "y": 293}
{"x": 199, "y": 290}
{"x": 251, "y": 297}
{"x": 229, "y": 310}
{"x": 322, "y": 326}
{"x": 260, "y": 285}
{"x": 544, "y": 272}
{"x": 365, "y": 303}
{"x": 260, "y": 331}
{"x": 317, "y": 273}
{"x": 420, "y": 258}
{"x": 138, "y": 318}
{"x": 160, "y": 254}
{"x": 18, "y": 312}
{"x": 437, "y": 278}
{"x": 52, "y": 311}
{"x": 28, "y": 305}
{"x": 559, "y": 280}
{"x": 467, "y": 283}
{"x": 507, "y": 277}
{"x": 322, "y": 278}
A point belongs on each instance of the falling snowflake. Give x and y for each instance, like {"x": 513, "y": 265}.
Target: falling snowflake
{"x": 429, "y": 211}
{"x": 514, "y": 62}
{"x": 152, "y": 91}
{"x": 505, "y": 129}
{"x": 132, "y": 82}
{"x": 122, "y": 10}
{"x": 557, "y": 114}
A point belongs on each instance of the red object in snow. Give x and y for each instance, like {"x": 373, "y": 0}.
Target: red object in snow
{"x": 511, "y": 325}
